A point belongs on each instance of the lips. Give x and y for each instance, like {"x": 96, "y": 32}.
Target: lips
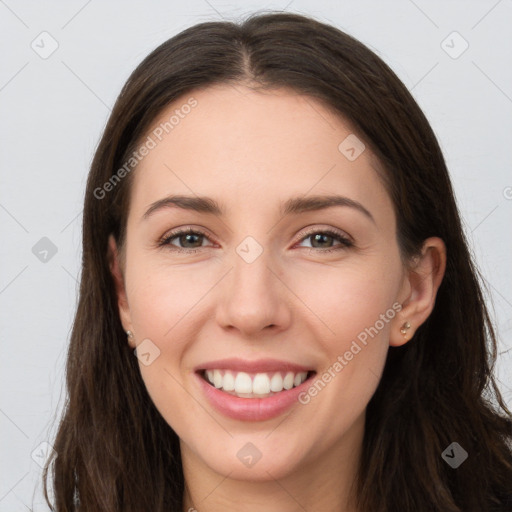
{"x": 256, "y": 366}
{"x": 252, "y": 390}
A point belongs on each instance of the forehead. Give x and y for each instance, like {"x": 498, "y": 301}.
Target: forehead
{"x": 240, "y": 144}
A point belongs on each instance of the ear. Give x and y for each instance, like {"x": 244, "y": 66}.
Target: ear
{"x": 117, "y": 274}
{"x": 419, "y": 290}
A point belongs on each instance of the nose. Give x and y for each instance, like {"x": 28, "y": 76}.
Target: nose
{"x": 252, "y": 299}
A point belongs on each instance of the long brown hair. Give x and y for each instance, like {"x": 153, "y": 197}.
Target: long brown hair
{"x": 115, "y": 452}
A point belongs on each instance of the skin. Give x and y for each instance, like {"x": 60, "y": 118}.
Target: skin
{"x": 250, "y": 151}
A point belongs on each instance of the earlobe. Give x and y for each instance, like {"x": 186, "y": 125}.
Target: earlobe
{"x": 117, "y": 275}
{"x": 401, "y": 332}
{"x": 423, "y": 280}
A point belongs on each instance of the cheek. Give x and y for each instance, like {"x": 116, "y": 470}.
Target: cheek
{"x": 161, "y": 296}
{"x": 162, "y": 301}
{"x": 167, "y": 307}
{"x": 354, "y": 307}
{"x": 349, "y": 300}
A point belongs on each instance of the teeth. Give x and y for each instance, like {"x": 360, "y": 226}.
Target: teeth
{"x": 261, "y": 384}
{"x": 217, "y": 379}
{"x": 289, "y": 380}
{"x": 228, "y": 384}
{"x": 243, "y": 383}
{"x": 255, "y": 385}
{"x": 276, "y": 383}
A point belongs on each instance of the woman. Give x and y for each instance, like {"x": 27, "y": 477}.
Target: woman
{"x": 269, "y": 226}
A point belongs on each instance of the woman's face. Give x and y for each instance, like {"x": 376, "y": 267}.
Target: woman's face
{"x": 274, "y": 285}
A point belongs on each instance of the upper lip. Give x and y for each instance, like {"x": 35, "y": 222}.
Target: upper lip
{"x": 255, "y": 366}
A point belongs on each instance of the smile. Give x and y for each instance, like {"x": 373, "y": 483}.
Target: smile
{"x": 252, "y": 390}
{"x": 254, "y": 385}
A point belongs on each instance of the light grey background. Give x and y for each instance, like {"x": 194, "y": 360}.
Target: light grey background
{"x": 52, "y": 112}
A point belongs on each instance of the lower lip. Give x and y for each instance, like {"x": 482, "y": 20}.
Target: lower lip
{"x": 252, "y": 409}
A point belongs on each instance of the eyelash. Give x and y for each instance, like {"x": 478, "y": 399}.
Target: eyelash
{"x": 345, "y": 242}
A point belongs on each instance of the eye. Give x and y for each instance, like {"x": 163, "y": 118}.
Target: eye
{"x": 190, "y": 240}
{"x": 322, "y": 240}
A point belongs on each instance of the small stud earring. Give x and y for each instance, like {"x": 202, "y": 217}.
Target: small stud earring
{"x": 130, "y": 335}
{"x": 405, "y": 327}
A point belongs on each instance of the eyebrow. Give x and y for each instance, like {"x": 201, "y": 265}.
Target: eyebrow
{"x": 295, "y": 205}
